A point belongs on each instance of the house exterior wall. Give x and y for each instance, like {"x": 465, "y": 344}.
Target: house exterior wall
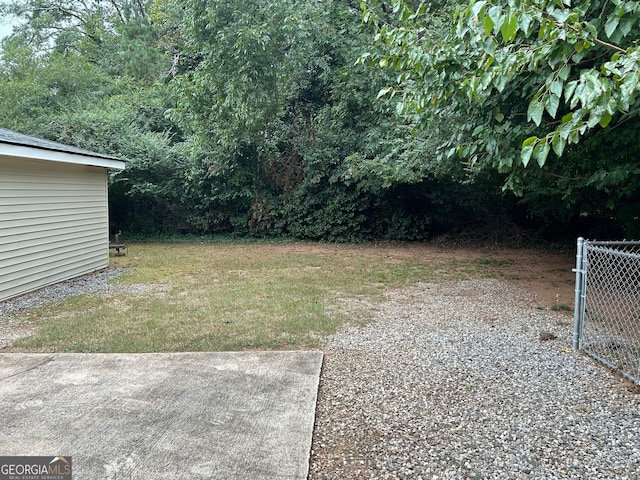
{"x": 53, "y": 223}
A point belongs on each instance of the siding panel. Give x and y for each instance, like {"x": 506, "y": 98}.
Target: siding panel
{"x": 53, "y": 223}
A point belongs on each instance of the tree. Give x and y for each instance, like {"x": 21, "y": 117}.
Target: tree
{"x": 244, "y": 116}
{"x": 538, "y": 89}
{"x": 35, "y": 89}
{"x": 118, "y": 35}
{"x": 241, "y": 63}
{"x": 533, "y": 76}
{"x": 98, "y": 93}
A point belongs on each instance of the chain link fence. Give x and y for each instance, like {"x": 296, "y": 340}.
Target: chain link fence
{"x": 607, "y": 304}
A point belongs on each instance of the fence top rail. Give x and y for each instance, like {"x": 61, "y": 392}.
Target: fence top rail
{"x": 611, "y": 251}
{"x": 613, "y": 242}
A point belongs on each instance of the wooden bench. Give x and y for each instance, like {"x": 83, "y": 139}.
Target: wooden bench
{"x": 119, "y": 247}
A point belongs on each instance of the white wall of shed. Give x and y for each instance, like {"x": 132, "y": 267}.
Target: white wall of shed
{"x": 54, "y": 223}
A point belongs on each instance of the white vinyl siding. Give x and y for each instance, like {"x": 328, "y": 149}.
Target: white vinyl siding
{"x": 53, "y": 223}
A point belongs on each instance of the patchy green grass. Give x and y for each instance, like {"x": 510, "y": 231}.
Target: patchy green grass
{"x": 561, "y": 307}
{"x": 212, "y": 297}
{"x": 235, "y": 296}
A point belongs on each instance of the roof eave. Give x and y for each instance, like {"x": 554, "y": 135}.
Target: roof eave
{"x": 23, "y": 151}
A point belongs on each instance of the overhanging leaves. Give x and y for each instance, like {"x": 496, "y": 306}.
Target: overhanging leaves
{"x": 540, "y": 60}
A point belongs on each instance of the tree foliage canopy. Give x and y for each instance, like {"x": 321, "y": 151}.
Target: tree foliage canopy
{"x": 532, "y": 77}
{"x": 264, "y": 117}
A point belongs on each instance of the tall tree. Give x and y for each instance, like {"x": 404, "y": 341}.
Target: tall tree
{"x": 566, "y": 69}
{"x": 530, "y": 79}
{"x": 118, "y": 35}
{"x": 243, "y": 61}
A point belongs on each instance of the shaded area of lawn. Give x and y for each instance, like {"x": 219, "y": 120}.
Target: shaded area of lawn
{"x": 215, "y": 297}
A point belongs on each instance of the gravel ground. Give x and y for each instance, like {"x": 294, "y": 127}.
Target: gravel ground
{"x": 466, "y": 380}
{"x": 456, "y": 380}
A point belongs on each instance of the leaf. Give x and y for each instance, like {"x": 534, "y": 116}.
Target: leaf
{"x": 526, "y": 21}
{"x": 500, "y": 82}
{"x": 565, "y": 131}
{"x": 556, "y": 88}
{"x": 551, "y": 104}
{"x": 535, "y": 111}
{"x": 595, "y": 117}
{"x": 564, "y": 72}
{"x": 626, "y": 25}
{"x": 569, "y": 89}
{"x": 574, "y": 135}
{"x": 561, "y": 14}
{"x": 558, "y": 143}
{"x": 529, "y": 141}
{"x": 605, "y": 120}
{"x": 509, "y": 28}
{"x": 496, "y": 15}
{"x": 488, "y": 25}
{"x": 400, "y": 108}
{"x": 525, "y": 154}
{"x": 541, "y": 152}
{"x": 384, "y": 91}
{"x": 591, "y": 28}
{"x": 477, "y": 7}
{"x": 611, "y": 25}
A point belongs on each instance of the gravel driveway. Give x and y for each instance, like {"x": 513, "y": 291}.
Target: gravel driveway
{"x": 454, "y": 380}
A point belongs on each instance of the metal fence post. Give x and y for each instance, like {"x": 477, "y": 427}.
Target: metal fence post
{"x": 578, "y": 318}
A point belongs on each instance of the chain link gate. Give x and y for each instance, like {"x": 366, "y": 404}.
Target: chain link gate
{"x": 607, "y": 304}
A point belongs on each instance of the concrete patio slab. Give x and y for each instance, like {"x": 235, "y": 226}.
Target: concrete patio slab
{"x": 246, "y": 415}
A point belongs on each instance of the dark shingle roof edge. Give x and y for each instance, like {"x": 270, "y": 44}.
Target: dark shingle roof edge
{"x": 15, "y": 138}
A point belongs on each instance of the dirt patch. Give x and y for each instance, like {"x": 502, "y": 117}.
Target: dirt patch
{"x": 547, "y": 274}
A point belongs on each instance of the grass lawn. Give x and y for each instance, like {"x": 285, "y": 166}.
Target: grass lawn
{"x": 214, "y": 297}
